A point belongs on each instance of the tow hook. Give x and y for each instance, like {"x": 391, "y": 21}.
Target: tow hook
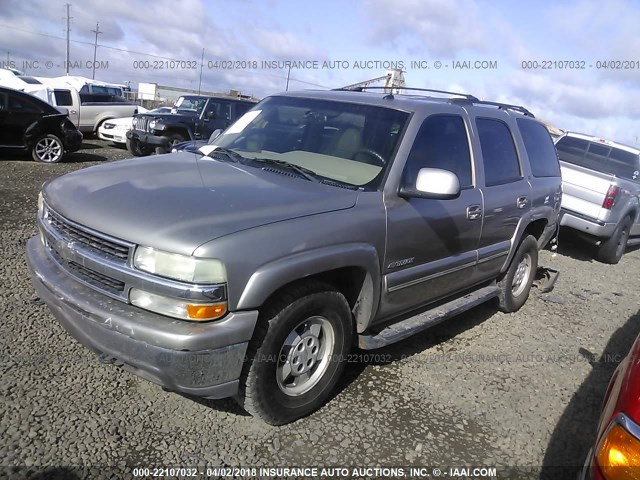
{"x": 106, "y": 359}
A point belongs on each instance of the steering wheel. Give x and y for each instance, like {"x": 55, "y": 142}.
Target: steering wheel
{"x": 379, "y": 160}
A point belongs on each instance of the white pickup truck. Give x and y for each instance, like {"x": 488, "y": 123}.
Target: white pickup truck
{"x": 601, "y": 186}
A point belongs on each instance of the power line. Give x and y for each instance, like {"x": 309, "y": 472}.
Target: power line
{"x": 108, "y": 47}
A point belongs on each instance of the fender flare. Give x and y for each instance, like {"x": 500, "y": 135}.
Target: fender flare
{"x": 274, "y": 275}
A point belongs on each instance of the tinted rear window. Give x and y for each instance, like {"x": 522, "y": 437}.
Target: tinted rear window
{"x": 600, "y": 158}
{"x": 499, "y": 155}
{"x": 540, "y": 150}
{"x": 63, "y": 98}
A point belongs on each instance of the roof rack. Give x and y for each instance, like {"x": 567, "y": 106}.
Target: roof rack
{"x": 446, "y": 92}
{"x": 501, "y": 106}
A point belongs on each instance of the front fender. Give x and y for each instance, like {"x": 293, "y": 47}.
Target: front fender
{"x": 270, "y": 277}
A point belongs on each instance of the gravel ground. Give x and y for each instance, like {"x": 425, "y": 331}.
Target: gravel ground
{"x": 484, "y": 389}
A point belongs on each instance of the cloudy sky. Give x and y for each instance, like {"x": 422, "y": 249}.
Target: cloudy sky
{"x": 347, "y": 42}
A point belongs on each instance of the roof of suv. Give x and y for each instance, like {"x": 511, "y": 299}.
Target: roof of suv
{"x": 603, "y": 141}
{"x": 405, "y": 101}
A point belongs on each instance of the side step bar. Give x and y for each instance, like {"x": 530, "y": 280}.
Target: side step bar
{"x": 632, "y": 242}
{"x": 408, "y": 327}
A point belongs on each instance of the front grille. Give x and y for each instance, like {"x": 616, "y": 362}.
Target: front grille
{"x": 109, "y": 248}
{"x": 91, "y": 277}
{"x": 141, "y": 123}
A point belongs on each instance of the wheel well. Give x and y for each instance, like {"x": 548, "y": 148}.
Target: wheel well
{"x": 178, "y": 130}
{"x": 535, "y": 228}
{"x": 353, "y": 282}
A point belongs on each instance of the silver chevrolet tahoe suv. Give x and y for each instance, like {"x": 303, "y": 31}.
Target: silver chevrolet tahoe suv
{"x": 319, "y": 222}
{"x": 601, "y": 186}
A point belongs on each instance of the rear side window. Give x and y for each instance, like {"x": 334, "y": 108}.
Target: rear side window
{"x": 442, "y": 142}
{"x": 540, "y": 150}
{"x": 3, "y": 101}
{"x": 499, "y": 155}
{"x": 20, "y": 104}
{"x": 242, "y": 108}
{"x": 63, "y": 98}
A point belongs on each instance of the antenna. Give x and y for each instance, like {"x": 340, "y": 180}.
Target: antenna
{"x": 95, "y": 49}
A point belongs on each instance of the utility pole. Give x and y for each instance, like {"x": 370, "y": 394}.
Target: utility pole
{"x": 201, "y": 67}
{"x": 288, "y": 75}
{"x": 68, "y": 31}
{"x": 95, "y": 49}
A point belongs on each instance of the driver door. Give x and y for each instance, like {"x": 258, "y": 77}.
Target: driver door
{"x": 432, "y": 244}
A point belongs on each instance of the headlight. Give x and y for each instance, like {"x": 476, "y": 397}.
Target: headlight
{"x": 619, "y": 454}
{"x": 179, "y": 267}
{"x": 177, "y": 308}
{"x": 152, "y": 124}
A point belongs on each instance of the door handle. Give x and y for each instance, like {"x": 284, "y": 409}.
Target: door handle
{"x": 522, "y": 202}
{"x": 474, "y": 212}
{"x": 73, "y": 111}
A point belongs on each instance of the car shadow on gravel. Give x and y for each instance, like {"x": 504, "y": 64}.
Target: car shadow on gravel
{"x": 572, "y": 246}
{"x": 430, "y": 338}
{"x": 575, "y": 433}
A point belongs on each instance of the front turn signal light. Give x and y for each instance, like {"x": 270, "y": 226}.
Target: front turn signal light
{"x": 206, "y": 312}
{"x": 619, "y": 455}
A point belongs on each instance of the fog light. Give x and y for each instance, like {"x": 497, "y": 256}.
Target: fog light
{"x": 175, "y": 307}
{"x": 619, "y": 455}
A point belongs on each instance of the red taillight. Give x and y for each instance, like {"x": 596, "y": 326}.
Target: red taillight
{"x": 610, "y": 199}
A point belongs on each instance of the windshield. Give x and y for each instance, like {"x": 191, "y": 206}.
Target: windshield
{"x": 346, "y": 142}
{"x": 190, "y": 104}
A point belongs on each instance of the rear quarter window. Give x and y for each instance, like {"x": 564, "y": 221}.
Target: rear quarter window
{"x": 540, "y": 149}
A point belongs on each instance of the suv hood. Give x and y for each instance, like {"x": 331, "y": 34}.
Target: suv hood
{"x": 179, "y": 201}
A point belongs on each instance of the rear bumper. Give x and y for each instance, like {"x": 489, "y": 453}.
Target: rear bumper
{"x": 148, "y": 138}
{"x": 583, "y": 224}
{"x": 201, "y": 359}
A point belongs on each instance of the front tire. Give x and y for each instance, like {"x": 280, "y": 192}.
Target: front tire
{"x": 297, "y": 354}
{"x": 174, "y": 139}
{"x": 516, "y": 283}
{"x": 48, "y": 149}
{"x": 612, "y": 249}
{"x": 136, "y": 149}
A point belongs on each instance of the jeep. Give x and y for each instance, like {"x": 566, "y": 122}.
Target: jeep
{"x": 192, "y": 117}
{"x": 319, "y": 222}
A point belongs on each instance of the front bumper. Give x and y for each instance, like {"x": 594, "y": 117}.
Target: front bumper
{"x": 113, "y": 135}
{"x": 586, "y": 225}
{"x": 148, "y": 138}
{"x": 201, "y": 359}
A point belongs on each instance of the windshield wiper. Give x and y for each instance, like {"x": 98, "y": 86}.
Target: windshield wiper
{"x": 228, "y": 153}
{"x": 302, "y": 171}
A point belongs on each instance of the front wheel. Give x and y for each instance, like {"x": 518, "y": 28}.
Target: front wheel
{"x": 297, "y": 354}
{"x": 612, "y": 249}
{"x": 174, "y": 139}
{"x": 136, "y": 149}
{"x": 48, "y": 149}
{"x": 516, "y": 283}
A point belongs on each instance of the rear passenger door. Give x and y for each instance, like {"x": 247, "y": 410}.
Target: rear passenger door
{"x": 505, "y": 190}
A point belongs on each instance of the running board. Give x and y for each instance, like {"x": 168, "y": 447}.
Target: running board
{"x": 412, "y": 325}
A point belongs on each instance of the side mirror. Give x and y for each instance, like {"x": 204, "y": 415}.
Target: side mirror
{"x": 216, "y": 133}
{"x": 433, "y": 183}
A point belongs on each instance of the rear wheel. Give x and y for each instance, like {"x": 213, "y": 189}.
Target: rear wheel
{"x": 48, "y": 149}
{"x": 516, "y": 283}
{"x": 612, "y": 249}
{"x": 174, "y": 139}
{"x": 297, "y": 354}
